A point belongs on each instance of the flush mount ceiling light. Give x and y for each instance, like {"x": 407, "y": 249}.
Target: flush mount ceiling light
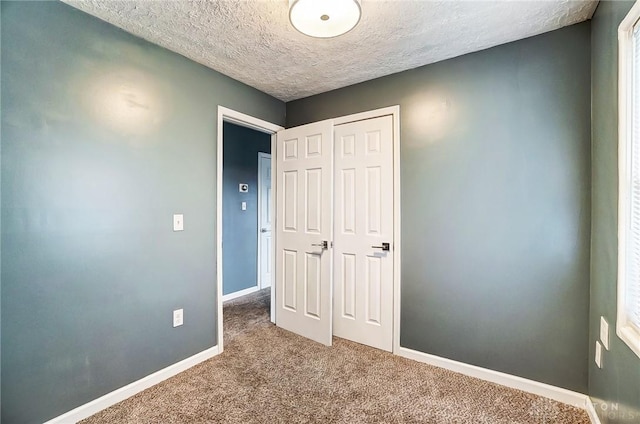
{"x": 324, "y": 18}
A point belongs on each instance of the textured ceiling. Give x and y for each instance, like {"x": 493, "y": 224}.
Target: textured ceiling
{"x": 253, "y": 41}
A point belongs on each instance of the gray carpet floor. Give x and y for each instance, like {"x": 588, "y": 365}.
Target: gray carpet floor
{"x": 269, "y": 375}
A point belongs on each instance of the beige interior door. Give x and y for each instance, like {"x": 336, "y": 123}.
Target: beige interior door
{"x": 363, "y": 249}
{"x": 304, "y": 229}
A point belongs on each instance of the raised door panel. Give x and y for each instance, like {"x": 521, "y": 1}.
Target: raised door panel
{"x": 363, "y": 274}
{"x": 303, "y": 281}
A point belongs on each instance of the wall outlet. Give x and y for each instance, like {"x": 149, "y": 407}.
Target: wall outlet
{"x": 178, "y": 222}
{"x": 598, "y": 354}
{"x": 177, "y": 317}
{"x": 604, "y": 332}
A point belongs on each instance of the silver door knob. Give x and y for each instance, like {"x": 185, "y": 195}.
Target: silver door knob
{"x": 385, "y": 247}
{"x": 263, "y": 230}
{"x": 324, "y": 244}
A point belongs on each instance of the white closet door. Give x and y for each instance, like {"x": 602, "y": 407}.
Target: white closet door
{"x": 363, "y": 270}
{"x": 304, "y": 224}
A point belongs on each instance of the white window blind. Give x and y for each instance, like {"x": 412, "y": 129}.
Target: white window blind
{"x": 628, "y": 313}
{"x": 632, "y": 286}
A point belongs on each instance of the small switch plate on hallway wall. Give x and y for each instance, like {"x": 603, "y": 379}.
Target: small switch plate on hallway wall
{"x": 177, "y": 317}
{"x": 243, "y": 206}
{"x": 604, "y": 332}
{"x": 598, "y": 354}
{"x": 178, "y": 222}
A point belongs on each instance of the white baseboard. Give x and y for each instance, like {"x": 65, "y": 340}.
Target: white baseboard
{"x": 103, "y": 402}
{"x": 240, "y": 293}
{"x": 559, "y": 394}
{"x": 591, "y": 410}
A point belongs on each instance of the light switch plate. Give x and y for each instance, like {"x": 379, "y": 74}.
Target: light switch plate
{"x": 178, "y": 222}
{"x": 598, "y": 354}
{"x": 604, "y": 332}
{"x": 178, "y": 316}
{"x": 243, "y": 205}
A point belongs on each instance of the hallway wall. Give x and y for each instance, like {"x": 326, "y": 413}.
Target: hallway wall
{"x": 240, "y": 228}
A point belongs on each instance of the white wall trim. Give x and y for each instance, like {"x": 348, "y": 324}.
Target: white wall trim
{"x": 397, "y": 245}
{"x": 394, "y": 111}
{"x": 559, "y": 394}
{"x": 591, "y": 411}
{"x": 239, "y": 293}
{"x": 244, "y": 120}
{"x": 248, "y": 121}
{"x": 118, "y": 395}
{"x": 274, "y": 224}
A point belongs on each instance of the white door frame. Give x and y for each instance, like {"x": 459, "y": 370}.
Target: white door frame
{"x": 394, "y": 111}
{"x": 260, "y": 194}
{"x": 244, "y": 120}
{"x": 238, "y": 118}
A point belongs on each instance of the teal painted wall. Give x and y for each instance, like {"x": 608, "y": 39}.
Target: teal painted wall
{"x": 615, "y": 389}
{"x": 495, "y": 186}
{"x": 240, "y": 228}
{"x": 104, "y": 137}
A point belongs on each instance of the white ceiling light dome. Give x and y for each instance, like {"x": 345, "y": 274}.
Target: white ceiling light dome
{"x": 325, "y": 18}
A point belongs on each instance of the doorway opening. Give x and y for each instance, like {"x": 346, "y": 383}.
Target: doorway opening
{"x": 245, "y": 216}
{"x": 244, "y": 210}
